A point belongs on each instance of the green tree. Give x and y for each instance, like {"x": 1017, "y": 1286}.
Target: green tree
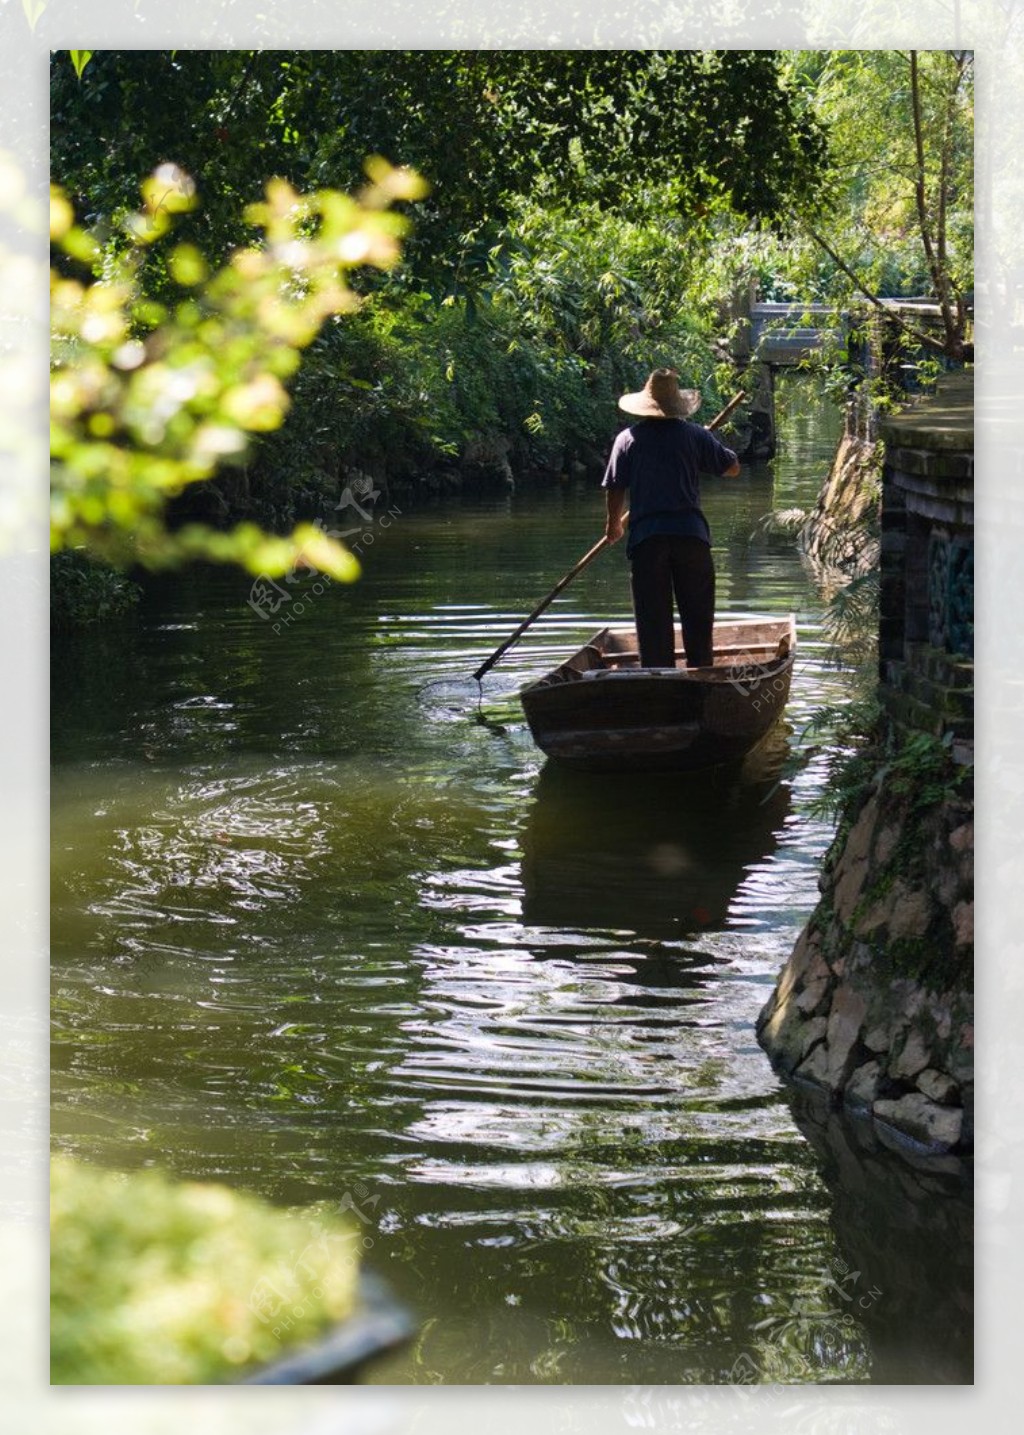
{"x": 707, "y": 129}
{"x": 148, "y": 397}
{"x": 894, "y": 214}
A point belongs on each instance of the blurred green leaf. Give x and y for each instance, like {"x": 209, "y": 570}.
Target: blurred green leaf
{"x": 148, "y": 398}
{"x": 160, "y": 1282}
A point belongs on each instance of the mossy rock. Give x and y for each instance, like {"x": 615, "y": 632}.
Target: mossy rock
{"x": 160, "y": 1282}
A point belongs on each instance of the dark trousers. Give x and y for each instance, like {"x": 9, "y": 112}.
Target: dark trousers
{"x": 661, "y": 566}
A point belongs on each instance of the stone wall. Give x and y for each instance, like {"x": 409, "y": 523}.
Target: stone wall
{"x": 875, "y": 1005}
{"x": 834, "y": 536}
{"x": 926, "y": 599}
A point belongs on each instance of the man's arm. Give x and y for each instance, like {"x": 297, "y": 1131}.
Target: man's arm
{"x": 713, "y": 457}
{"x": 616, "y": 485}
{"x": 615, "y": 502}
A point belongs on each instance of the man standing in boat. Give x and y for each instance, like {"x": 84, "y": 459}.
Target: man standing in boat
{"x": 669, "y": 543}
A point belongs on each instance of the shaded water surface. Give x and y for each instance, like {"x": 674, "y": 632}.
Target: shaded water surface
{"x": 323, "y": 936}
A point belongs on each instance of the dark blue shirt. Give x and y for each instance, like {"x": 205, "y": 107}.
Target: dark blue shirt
{"x": 659, "y": 461}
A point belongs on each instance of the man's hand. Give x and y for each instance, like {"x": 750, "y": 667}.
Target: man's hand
{"x": 614, "y": 529}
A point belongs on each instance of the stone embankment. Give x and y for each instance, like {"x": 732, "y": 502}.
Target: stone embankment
{"x": 875, "y": 1005}
{"x": 834, "y": 536}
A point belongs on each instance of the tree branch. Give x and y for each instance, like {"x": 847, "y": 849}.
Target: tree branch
{"x": 922, "y": 338}
{"x": 935, "y": 266}
{"x": 246, "y": 75}
{"x": 940, "y": 228}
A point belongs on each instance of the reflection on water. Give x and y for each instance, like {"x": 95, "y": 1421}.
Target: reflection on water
{"x": 322, "y": 939}
{"x": 662, "y": 855}
{"x": 905, "y": 1247}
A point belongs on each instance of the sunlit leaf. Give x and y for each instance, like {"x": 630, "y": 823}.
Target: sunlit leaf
{"x": 33, "y": 9}
{"x": 395, "y": 182}
{"x": 62, "y": 216}
{"x": 80, "y": 245}
{"x": 147, "y": 227}
{"x": 187, "y": 265}
{"x": 258, "y": 405}
{"x": 169, "y": 190}
{"x": 319, "y": 549}
{"x": 147, "y": 399}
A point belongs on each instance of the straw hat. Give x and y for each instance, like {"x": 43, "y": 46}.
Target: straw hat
{"x": 662, "y": 398}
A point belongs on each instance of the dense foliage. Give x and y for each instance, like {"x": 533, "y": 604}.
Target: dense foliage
{"x": 84, "y": 590}
{"x": 894, "y": 212}
{"x": 706, "y": 128}
{"x": 586, "y": 216}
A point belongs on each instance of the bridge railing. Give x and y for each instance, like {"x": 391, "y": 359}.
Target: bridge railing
{"x": 780, "y": 334}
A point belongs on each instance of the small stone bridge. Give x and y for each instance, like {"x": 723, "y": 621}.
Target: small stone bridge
{"x": 786, "y": 334}
{"x": 774, "y": 336}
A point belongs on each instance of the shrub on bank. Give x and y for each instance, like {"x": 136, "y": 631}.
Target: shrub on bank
{"x": 518, "y": 374}
{"x": 86, "y": 591}
{"x": 157, "y": 1282}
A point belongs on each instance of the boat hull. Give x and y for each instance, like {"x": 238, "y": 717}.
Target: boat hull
{"x": 599, "y": 711}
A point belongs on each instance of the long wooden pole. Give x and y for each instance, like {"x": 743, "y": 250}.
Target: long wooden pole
{"x": 588, "y": 557}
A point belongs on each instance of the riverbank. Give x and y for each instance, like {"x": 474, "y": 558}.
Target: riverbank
{"x": 492, "y": 460}
{"x": 875, "y": 1004}
{"x": 347, "y": 497}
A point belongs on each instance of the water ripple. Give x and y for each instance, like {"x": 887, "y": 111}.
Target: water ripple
{"x": 311, "y": 931}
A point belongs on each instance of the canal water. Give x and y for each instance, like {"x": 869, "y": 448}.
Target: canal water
{"x": 329, "y": 933}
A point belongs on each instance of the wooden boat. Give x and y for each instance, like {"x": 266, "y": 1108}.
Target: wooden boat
{"x": 599, "y": 710}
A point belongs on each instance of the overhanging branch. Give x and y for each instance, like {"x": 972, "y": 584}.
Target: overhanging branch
{"x": 927, "y": 340}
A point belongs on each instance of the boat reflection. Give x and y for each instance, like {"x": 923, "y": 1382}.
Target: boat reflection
{"x": 658, "y": 854}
